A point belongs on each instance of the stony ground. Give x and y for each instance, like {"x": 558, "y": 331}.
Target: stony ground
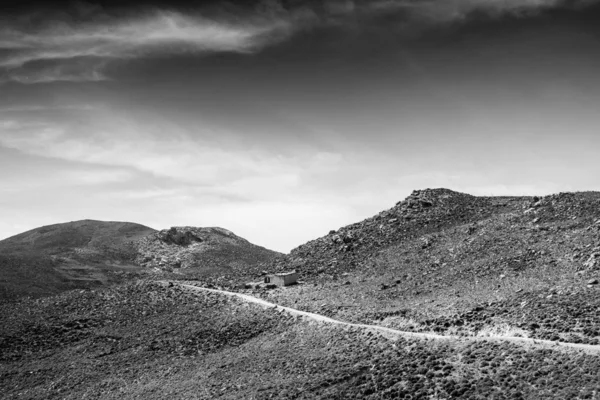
{"x": 153, "y": 341}
{"x": 439, "y": 261}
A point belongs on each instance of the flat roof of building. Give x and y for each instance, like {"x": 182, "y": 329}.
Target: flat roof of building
{"x": 284, "y": 273}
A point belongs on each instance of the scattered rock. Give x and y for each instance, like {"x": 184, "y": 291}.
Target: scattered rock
{"x": 180, "y": 236}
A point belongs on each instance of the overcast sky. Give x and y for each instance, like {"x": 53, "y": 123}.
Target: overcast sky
{"x": 281, "y": 120}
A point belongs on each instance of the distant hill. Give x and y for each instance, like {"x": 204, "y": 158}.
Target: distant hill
{"x": 88, "y": 253}
{"x": 70, "y": 255}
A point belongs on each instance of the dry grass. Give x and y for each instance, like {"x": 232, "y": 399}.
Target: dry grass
{"x": 502, "y": 330}
{"x": 155, "y": 356}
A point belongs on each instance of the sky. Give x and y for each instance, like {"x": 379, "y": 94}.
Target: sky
{"x": 281, "y": 120}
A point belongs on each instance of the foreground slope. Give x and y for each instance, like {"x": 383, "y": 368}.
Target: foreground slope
{"x": 153, "y": 341}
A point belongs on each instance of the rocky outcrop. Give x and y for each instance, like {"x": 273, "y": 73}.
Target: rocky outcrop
{"x": 214, "y": 255}
{"x": 178, "y": 247}
{"x": 179, "y": 236}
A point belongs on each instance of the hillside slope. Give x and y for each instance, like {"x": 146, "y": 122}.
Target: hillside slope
{"x": 70, "y": 255}
{"x": 442, "y": 261}
{"x": 423, "y": 212}
{"x": 145, "y": 340}
{"x": 71, "y": 238}
{"x": 213, "y": 255}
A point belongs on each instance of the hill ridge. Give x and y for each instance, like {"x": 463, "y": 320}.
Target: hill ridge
{"x": 86, "y": 253}
{"x": 422, "y": 212}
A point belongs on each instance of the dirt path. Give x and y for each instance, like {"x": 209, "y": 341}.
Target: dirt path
{"x": 391, "y": 333}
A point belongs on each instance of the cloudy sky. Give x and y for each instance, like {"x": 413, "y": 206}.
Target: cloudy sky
{"x": 281, "y": 120}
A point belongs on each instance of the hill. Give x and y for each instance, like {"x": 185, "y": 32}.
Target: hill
{"x": 443, "y": 261}
{"x": 213, "y": 255}
{"x": 111, "y": 239}
{"x": 59, "y": 257}
{"x": 88, "y": 253}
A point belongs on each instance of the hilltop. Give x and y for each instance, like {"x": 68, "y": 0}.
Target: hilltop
{"x": 64, "y": 239}
{"x": 88, "y": 253}
{"x": 423, "y": 213}
{"x": 213, "y": 255}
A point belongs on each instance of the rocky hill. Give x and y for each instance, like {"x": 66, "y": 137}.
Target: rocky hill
{"x": 213, "y": 255}
{"x": 426, "y": 215}
{"x": 442, "y": 261}
{"x": 88, "y": 253}
{"x": 423, "y": 212}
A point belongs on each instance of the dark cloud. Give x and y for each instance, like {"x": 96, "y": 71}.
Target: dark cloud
{"x": 78, "y": 48}
{"x": 75, "y": 41}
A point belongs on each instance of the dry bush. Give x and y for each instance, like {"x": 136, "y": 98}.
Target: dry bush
{"x": 502, "y": 330}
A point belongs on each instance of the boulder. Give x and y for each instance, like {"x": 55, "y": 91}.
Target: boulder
{"x": 179, "y": 236}
{"x": 592, "y": 261}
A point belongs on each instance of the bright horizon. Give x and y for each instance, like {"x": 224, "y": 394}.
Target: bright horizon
{"x": 213, "y": 226}
{"x": 282, "y": 120}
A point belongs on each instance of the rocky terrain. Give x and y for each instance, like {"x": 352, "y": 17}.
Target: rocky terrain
{"x": 433, "y": 214}
{"x": 154, "y": 341}
{"x": 440, "y": 262}
{"x": 82, "y": 254}
{"x": 444, "y": 261}
{"x": 214, "y": 255}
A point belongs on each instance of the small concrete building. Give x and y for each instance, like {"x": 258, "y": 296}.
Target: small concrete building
{"x": 282, "y": 279}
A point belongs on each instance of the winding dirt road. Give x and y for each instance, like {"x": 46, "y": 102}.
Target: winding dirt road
{"x": 391, "y": 333}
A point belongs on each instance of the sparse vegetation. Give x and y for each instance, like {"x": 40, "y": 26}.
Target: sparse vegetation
{"x": 153, "y": 341}
{"x": 439, "y": 262}
{"x": 526, "y": 259}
